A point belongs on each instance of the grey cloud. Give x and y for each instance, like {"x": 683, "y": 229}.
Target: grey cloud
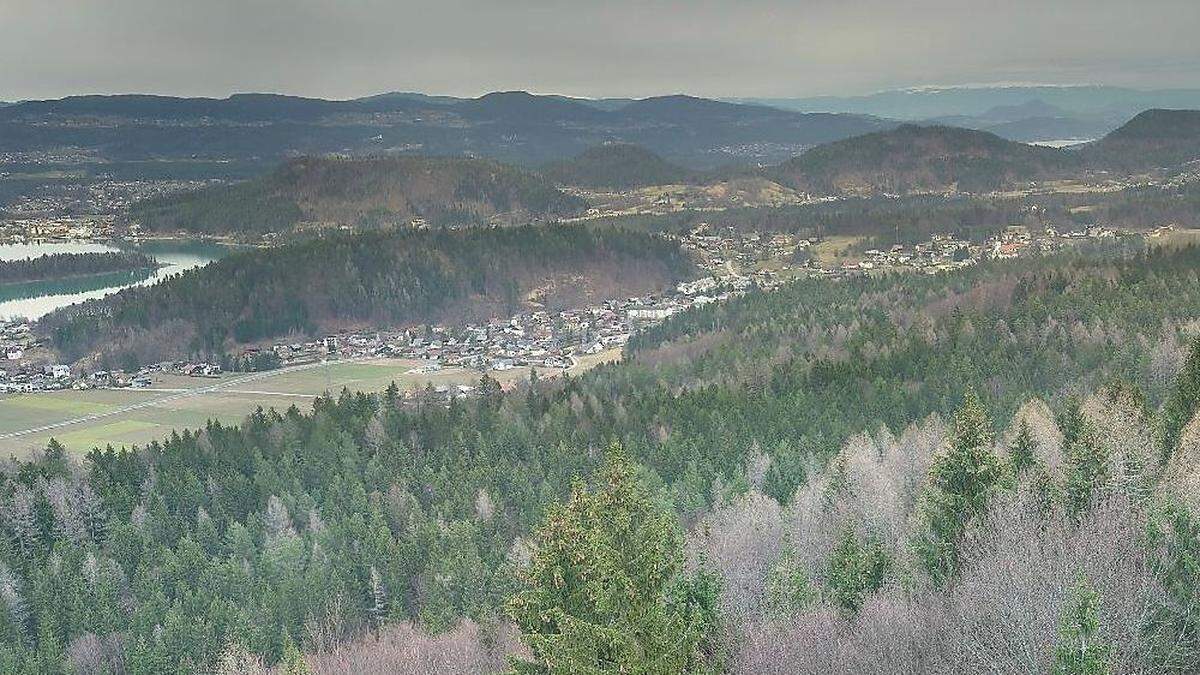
{"x": 344, "y": 48}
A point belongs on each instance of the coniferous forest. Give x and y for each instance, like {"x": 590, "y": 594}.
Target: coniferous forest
{"x": 988, "y": 470}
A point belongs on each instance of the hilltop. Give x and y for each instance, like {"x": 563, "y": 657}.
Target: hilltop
{"x": 617, "y": 166}
{"x": 915, "y": 158}
{"x": 1152, "y": 139}
{"x": 443, "y": 191}
{"x": 513, "y": 126}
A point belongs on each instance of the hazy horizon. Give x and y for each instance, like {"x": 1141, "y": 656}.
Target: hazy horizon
{"x": 625, "y": 48}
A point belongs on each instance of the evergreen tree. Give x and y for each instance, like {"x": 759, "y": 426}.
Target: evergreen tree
{"x": 1081, "y": 649}
{"x": 1181, "y": 406}
{"x": 856, "y": 569}
{"x": 595, "y": 597}
{"x": 1022, "y": 451}
{"x": 789, "y": 586}
{"x": 961, "y": 481}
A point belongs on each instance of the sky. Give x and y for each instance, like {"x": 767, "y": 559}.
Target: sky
{"x": 596, "y": 48}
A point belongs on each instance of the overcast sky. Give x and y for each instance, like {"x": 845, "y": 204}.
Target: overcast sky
{"x": 347, "y": 48}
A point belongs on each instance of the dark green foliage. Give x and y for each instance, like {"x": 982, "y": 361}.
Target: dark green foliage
{"x": 64, "y": 265}
{"x": 790, "y": 587}
{"x": 1081, "y": 649}
{"x": 961, "y": 482}
{"x": 617, "y": 166}
{"x": 602, "y": 592}
{"x": 856, "y": 568}
{"x": 1022, "y": 451}
{"x": 1173, "y": 628}
{"x": 385, "y": 278}
{"x": 240, "y": 534}
{"x": 1183, "y": 401}
{"x": 366, "y": 192}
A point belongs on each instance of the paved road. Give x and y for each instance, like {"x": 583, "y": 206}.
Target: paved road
{"x": 175, "y": 396}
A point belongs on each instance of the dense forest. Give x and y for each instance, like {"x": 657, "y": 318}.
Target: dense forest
{"x": 992, "y": 469}
{"x": 617, "y": 166}
{"x": 361, "y": 192}
{"x": 64, "y": 265}
{"x": 384, "y": 278}
{"x": 1152, "y": 139}
{"x": 918, "y": 159}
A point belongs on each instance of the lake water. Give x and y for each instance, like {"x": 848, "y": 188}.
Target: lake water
{"x": 33, "y": 300}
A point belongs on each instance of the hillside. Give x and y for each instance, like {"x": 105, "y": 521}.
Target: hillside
{"x": 914, "y": 158}
{"x": 824, "y": 449}
{"x": 616, "y": 166}
{"x": 513, "y": 126}
{"x": 443, "y": 191}
{"x": 394, "y": 278}
{"x": 1152, "y": 139}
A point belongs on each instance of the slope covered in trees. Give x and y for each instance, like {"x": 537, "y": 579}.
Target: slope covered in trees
{"x": 921, "y": 544}
{"x": 366, "y": 192}
{"x": 616, "y": 166}
{"x": 396, "y": 278}
{"x": 67, "y": 265}
{"x": 510, "y": 126}
{"x": 915, "y": 158}
{"x": 1152, "y": 139}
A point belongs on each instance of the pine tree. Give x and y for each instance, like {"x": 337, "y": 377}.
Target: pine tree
{"x": 292, "y": 661}
{"x": 789, "y": 586}
{"x": 598, "y": 592}
{"x": 1081, "y": 649}
{"x": 856, "y": 569}
{"x": 961, "y": 482}
{"x": 1023, "y": 450}
{"x": 1181, "y": 406}
{"x": 1087, "y": 469}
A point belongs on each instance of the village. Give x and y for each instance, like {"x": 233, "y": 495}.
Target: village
{"x": 733, "y": 263}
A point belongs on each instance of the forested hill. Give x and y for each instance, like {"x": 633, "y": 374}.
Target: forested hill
{"x": 65, "y": 265}
{"x": 382, "y": 278}
{"x": 369, "y": 192}
{"x": 1152, "y": 139}
{"x": 616, "y": 166}
{"x": 744, "y": 424}
{"x": 915, "y": 158}
{"x": 510, "y": 126}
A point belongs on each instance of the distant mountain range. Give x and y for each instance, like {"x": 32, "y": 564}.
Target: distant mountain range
{"x": 515, "y": 127}
{"x": 1020, "y": 113}
{"x": 906, "y": 160}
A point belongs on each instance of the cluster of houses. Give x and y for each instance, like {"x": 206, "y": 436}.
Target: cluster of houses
{"x": 16, "y": 339}
{"x": 538, "y": 339}
{"x": 26, "y": 378}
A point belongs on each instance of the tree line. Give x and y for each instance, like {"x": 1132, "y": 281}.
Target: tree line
{"x": 716, "y": 488}
{"x": 64, "y": 265}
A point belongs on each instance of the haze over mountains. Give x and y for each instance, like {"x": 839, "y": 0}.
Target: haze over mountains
{"x": 515, "y": 127}
{"x": 906, "y": 160}
{"x": 1017, "y": 112}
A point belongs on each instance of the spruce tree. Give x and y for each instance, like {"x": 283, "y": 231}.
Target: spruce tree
{"x": 1181, "y": 405}
{"x": 601, "y": 591}
{"x": 1081, "y": 649}
{"x": 961, "y": 482}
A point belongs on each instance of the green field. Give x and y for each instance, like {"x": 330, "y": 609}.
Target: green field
{"x": 169, "y": 405}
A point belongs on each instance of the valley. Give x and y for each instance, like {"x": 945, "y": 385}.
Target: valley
{"x": 409, "y": 383}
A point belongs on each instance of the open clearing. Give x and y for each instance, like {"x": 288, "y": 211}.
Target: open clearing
{"x": 82, "y": 420}
{"x": 836, "y": 249}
